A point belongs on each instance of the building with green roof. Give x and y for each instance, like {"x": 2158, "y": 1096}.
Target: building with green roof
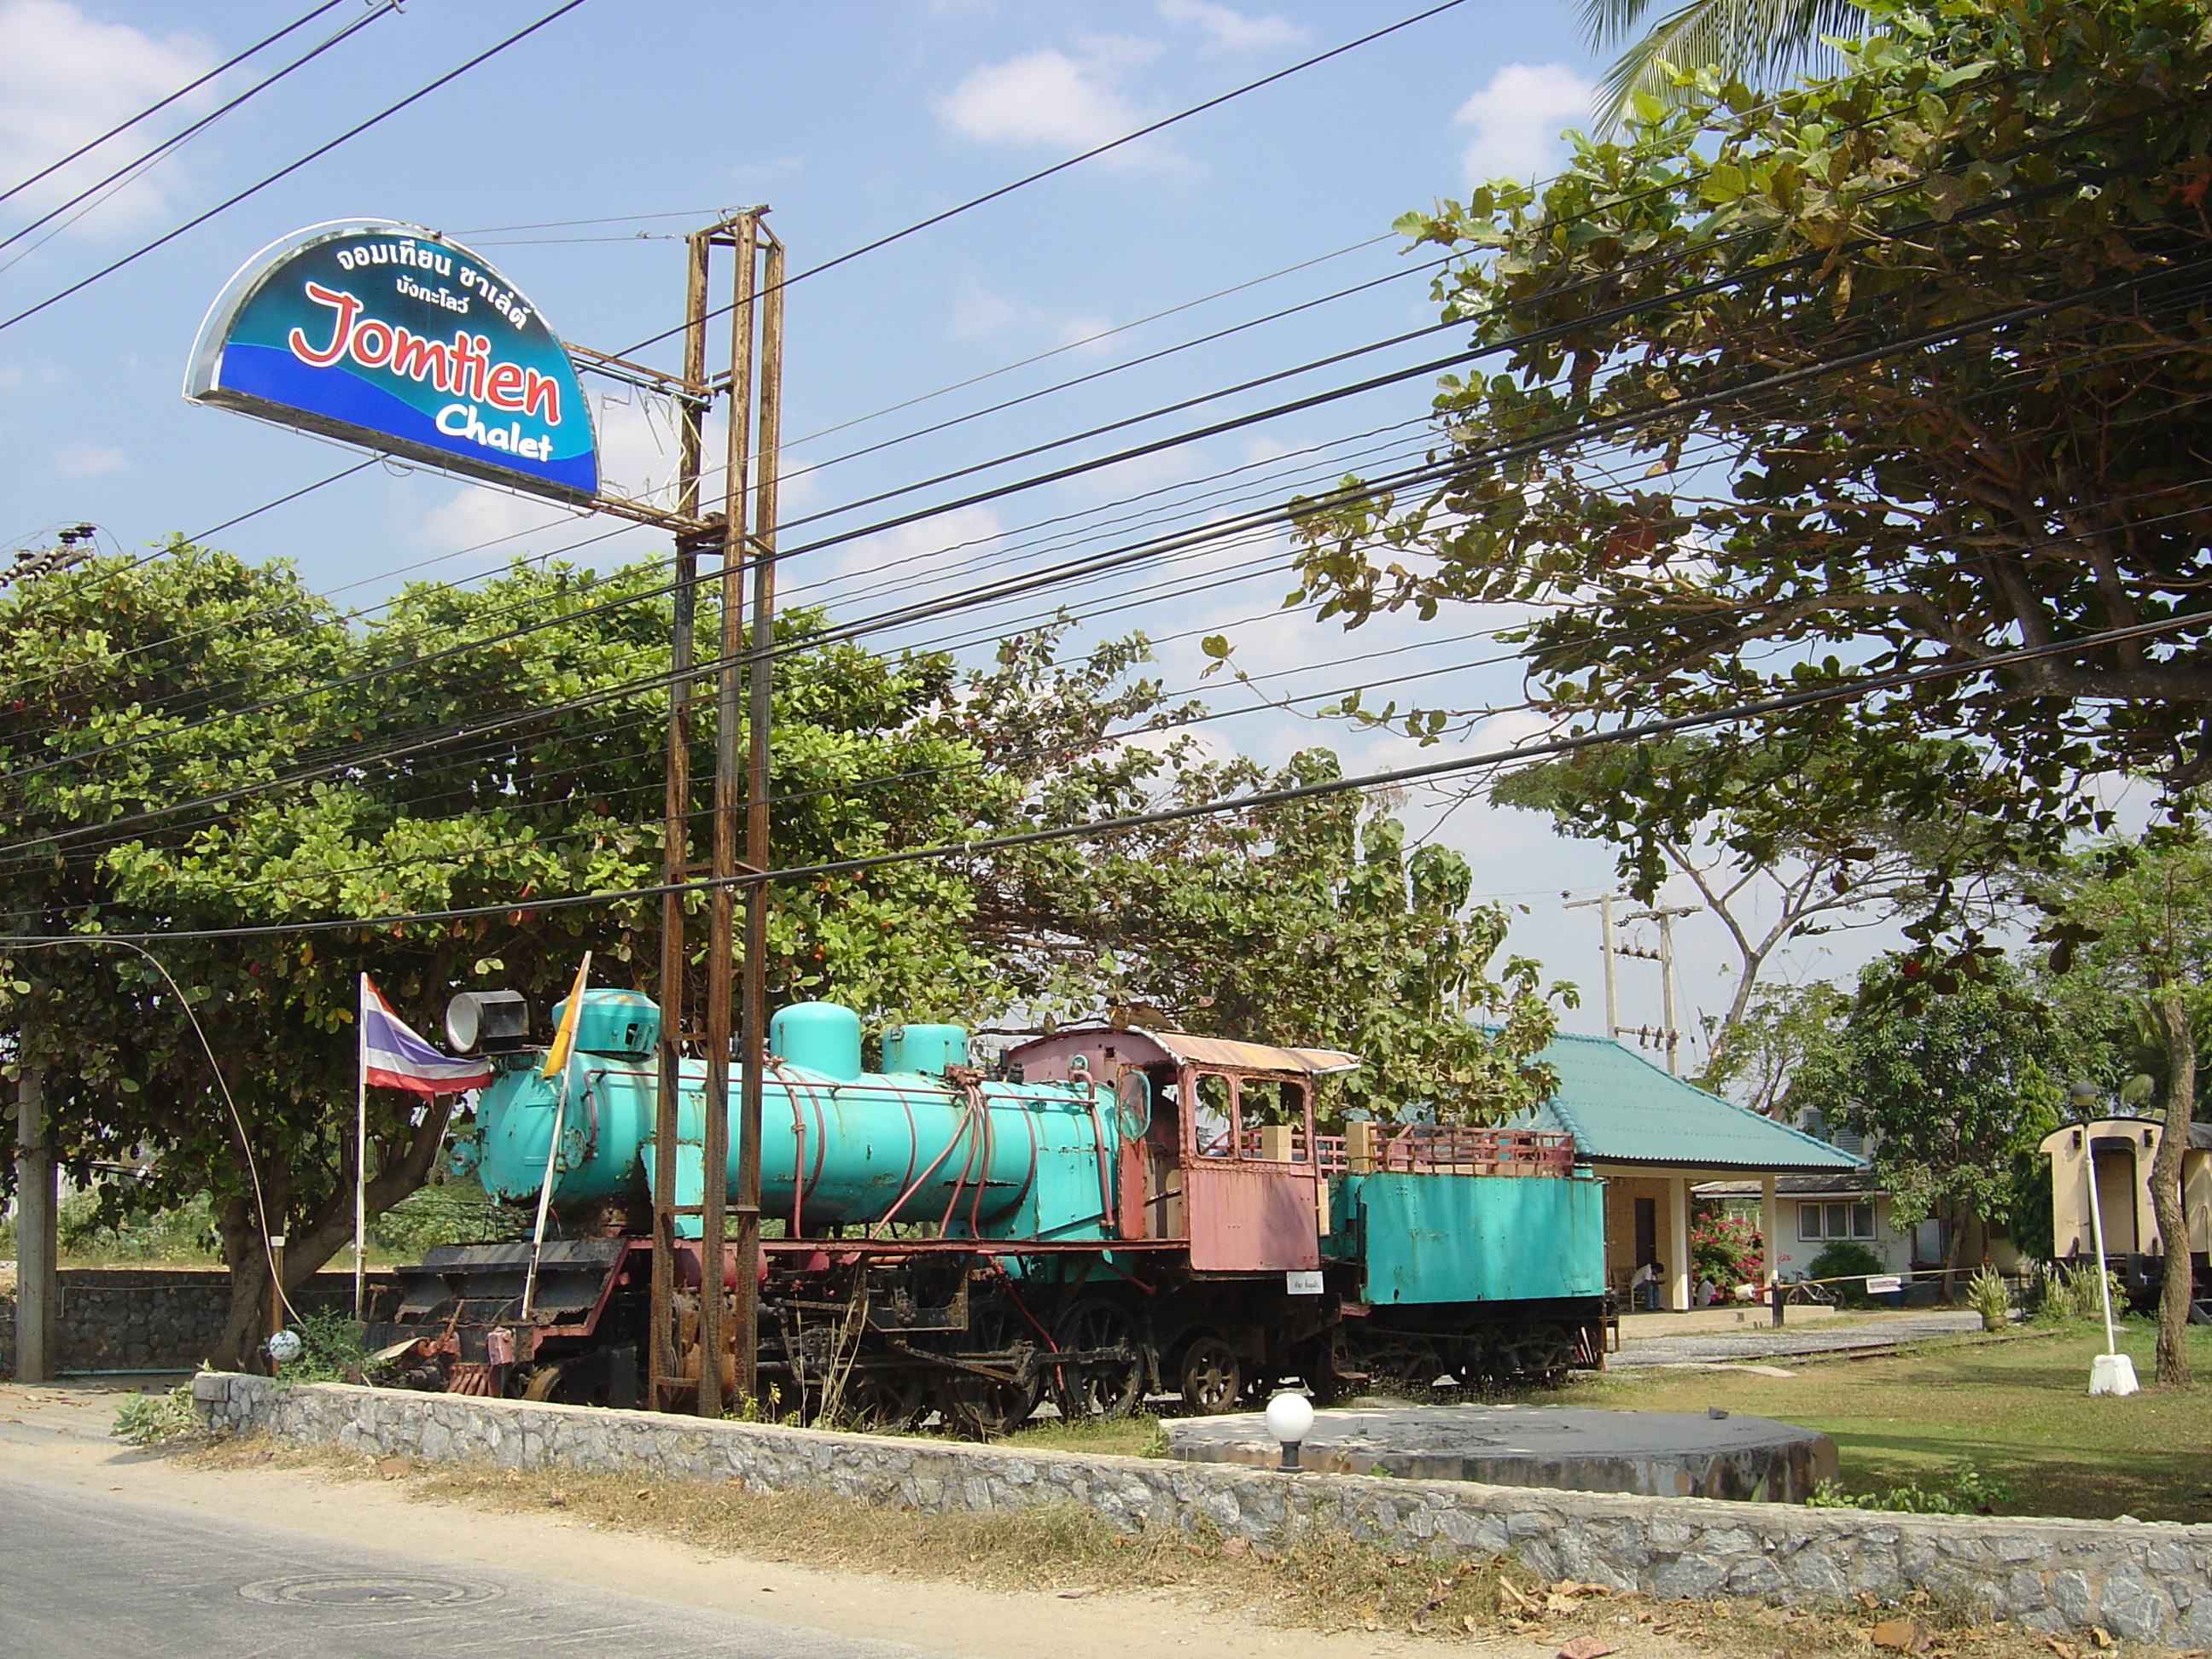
{"x": 1653, "y": 1137}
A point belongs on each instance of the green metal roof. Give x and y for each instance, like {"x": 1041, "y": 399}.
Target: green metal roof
{"x": 1622, "y": 1109}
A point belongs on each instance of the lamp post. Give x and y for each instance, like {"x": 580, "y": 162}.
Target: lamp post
{"x": 2111, "y": 1372}
{"x": 1290, "y": 1419}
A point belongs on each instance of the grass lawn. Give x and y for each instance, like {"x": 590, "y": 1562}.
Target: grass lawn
{"x": 2019, "y": 1410}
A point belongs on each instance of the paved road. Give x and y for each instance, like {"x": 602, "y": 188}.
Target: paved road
{"x": 86, "y": 1573}
{"x": 1764, "y": 1342}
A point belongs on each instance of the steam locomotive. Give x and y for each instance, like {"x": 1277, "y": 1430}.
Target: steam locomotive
{"x": 1103, "y": 1216}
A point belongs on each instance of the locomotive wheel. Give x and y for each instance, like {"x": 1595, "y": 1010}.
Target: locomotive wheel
{"x": 1101, "y": 1389}
{"x": 984, "y": 1407}
{"x": 1548, "y": 1354}
{"x": 1405, "y": 1365}
{"x": 890, "y": 1401}
{"x": 542, "y": 1383}
{"x": 1211, "y": 1378}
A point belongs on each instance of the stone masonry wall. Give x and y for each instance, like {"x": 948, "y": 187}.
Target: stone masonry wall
{"x": 150, "y": 1319}
{"x": 2151, "y": 1582}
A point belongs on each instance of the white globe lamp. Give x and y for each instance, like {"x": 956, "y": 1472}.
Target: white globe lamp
{"x": 1290, "y": 1419}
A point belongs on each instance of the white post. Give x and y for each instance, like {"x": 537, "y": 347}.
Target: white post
{"x": 1677, "y": 1243}
{"x": 1770, "y": 1230}
{"x": 1667, "y": 988}
{"x": 545, "y": 1194}
{"x": 360, "y": 1154}
{"x": 2111, "y": 1372}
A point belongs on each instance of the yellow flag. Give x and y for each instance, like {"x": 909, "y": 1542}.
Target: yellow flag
{"x": 565, "y": 1038}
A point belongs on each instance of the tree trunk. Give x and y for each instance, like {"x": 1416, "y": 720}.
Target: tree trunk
{"x": 311, "y": 1239}
{"x": 2171, "y": 1016}
{"x": 1954, "y": 1247}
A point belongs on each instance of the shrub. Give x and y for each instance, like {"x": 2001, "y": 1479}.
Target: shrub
{"x": 1987, "y": 1295}
{"x": 453, "y": 1213}
{"x": 1849, "y": 1262}
{"x": 155, "y": 1420}
{"x": 1961, "y": 1490}
{"x": 2070, "y": 1293}
{"x": 330, "y": 1348}
{"x": 1726, "y": 1249}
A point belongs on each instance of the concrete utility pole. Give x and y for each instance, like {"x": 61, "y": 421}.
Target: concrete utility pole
{"x": 1670, "y": 1032}
{"x": 1605, "y": 940}
{"x": 37, "y": 1291}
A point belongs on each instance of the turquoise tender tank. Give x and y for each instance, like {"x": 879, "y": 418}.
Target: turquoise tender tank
{"x": 1430, "y": 1238}
{"x": 838, "y": 1145}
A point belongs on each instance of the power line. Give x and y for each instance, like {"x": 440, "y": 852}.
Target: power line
{"x": 290, "y": 168}
{"x": 1551, "y": 749}
{"x": 155, "y": 108}
{"x": 1712, "y": 284}
{"x": 1014, "y": 586}
{"x": 1096, "y": 150}
{"x": 175, "y": 141}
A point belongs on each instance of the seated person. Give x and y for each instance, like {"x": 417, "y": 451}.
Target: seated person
{"x": 1643, "y": 1288}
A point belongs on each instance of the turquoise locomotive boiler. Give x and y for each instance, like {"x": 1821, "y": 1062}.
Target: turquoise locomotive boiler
{"x": 1097, "y": 1215}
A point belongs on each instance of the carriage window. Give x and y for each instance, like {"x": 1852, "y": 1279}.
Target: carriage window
{"x": 1213, "y": 1121}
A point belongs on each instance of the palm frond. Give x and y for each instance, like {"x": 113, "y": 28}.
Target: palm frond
{"x": 1760, "y": 42}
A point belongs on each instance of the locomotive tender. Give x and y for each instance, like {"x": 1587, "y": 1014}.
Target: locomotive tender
{"x": 1108, "y": 1214}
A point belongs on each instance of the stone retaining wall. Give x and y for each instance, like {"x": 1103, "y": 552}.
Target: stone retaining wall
{"x": 2151, "y": 1582}
{"x": 151, "y": 1319}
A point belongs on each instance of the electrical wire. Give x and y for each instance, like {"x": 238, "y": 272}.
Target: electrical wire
{"x": 1998, "y": 203}
{"x": 155, "y": 108}
{"x": 1146, "y": 131}
{"x": 289, "y": 168}
{"x": 1848, "y": 691}
{"x": 1121, "y": 558}
{"x": 95, "y": 193}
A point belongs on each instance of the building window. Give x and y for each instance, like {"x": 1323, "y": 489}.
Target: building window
{"x": 1818, "y": 1221}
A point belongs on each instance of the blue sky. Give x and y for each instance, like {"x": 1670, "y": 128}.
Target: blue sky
{"x": 850, "y": 119}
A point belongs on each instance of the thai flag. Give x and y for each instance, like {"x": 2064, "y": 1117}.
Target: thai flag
{"x": 393, "y": 1057}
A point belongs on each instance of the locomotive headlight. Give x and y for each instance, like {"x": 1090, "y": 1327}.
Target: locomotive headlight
{"x": 488, "y": 1022}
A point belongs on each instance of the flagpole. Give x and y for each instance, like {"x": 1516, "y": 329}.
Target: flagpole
{"x": 361, "y": 1155}
{"x": 556, "y": 1061}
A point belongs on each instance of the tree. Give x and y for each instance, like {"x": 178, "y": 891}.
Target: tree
{"x": 387, "y": 778}
{"x": 1900, "y": 370}
{"x": 2133, "y": 928}
{"x": 1754, "y": 41}
{"x": 1310, "y": 923}
{"x": 1783, "y": 1031}
{"x": 1744, "y": 823}
{"x": 1951, "y": 1087}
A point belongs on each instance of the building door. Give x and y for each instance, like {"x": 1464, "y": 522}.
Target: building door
{"x": 1647, "y": 1230}
{"x": 2116, "y": 1197}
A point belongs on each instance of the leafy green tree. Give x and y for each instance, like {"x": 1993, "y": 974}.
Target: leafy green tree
{"x": 1782, "y": 1031}
{"x": 1899, "y": 370}
{"x": 407, "y": 780}
{"x": 1952, "y": 1087}
{"x": 2133, "y": 927}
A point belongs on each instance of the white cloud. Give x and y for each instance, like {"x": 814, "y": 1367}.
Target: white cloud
{"x": 475, "y": 515}
{"x": 66, "y": 79}
{"x": 907, "y": 560}
{"x": 1052, "y": 100}
{"x": 1232, "y": 31}
{"x": 1517, "y": 119}
{"x": 89, "y": 460}
{"x": 978, "y": 313}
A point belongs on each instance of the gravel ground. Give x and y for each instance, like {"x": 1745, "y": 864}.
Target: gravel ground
{"x": 1764, "y": 1342}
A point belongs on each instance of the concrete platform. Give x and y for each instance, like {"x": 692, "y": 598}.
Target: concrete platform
{"x": 1660, "y": 1454}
